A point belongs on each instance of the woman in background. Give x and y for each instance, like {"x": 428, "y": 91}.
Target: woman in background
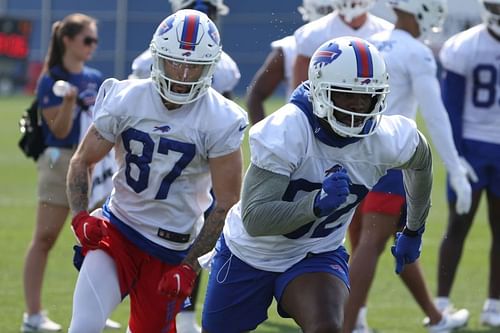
{"x": 73, "y": 42}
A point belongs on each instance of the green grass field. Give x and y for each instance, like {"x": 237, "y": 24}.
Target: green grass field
{"x": 391, "y": 308}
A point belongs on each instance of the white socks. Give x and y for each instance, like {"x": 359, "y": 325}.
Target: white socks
{"x": 442, "y": 303}
{"x": 492, "y": 305}
{"x": 361, "y": 320}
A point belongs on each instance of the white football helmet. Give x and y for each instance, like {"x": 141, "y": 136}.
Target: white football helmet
{"x": 314, "y": 9}
{"x": 350, "y": 9}
{"x": 490, "y": 12}
{"x": 185, "y": 40}
{"x": 430, "y": 14}
{"x": 222, "y": 9}
{"x": 348, "y": 65}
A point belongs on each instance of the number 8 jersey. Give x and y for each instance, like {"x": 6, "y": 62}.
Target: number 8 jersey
{"x": 163, "y": 182}
{"x": 475, "y": 55}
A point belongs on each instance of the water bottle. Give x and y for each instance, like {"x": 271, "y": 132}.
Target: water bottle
{"x": 61, "y": 88}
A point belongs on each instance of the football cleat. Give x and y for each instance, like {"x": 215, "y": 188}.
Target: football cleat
{"x": 449, "y": 322}
{"x": 490, "y": 318}
{"x": 39, "y": 323}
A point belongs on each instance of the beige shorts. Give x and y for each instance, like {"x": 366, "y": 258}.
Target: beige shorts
{"x": 52, "y": 168}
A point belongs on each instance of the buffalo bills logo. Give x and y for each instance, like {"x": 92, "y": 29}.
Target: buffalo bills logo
{"x": 166, "y": 25}
{"x": 366, "y": 81}
{"x": 386, "y": 45}
{"x": 335, "y": 168}
{"x": 213, "y": 33}
{"x": 326, "y": 55}
{"x": 163, "y": 129}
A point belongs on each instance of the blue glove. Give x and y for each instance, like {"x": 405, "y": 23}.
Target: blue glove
{"x": 334, "y": 192}
{"x": 407, "y": 247}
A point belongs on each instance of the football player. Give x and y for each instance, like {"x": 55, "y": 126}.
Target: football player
{"x": 471, "y": 93}
{"x": 175, "y": 138}
{"x": 225, "y": 78}
{"x": 278, "y": 66}
{"x": 412, "y": 77}
{"x": 227, "y": 73}
{"x": 350, "y": 18}
{"x": 413, "y": 81}
{"x": 312, "y": 162}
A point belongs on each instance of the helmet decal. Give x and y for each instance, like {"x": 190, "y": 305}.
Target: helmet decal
{"x": 189, "y": 32}
{"x": 166, "y": 25}
{"x": 363, "y": 59}
{"x": 213, "y": 33}
{"x": 326, "y": 55}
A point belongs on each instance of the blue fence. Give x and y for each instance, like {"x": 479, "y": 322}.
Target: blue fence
{"x": 126, "y": 27}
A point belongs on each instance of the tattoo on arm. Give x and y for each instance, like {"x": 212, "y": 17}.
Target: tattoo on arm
{"x": 78, "y": 187}
{"x": 207, "y": 238}
{"x": 97, "y": 135}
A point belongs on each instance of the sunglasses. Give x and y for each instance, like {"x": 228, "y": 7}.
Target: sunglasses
{"x": 90, "y": 40}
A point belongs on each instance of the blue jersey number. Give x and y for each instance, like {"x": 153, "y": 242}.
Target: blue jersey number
{"x": 327, "y": 226}
{"x": 142, "y": 161}
{"x": 485, "y": 81}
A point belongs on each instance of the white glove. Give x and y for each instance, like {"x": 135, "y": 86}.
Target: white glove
{"x": 459, "y": 181}
{"x": 471, "y": 174}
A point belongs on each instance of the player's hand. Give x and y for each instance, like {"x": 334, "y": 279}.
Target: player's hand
{"x": 178, "y": 281}
{"x": 407, "y": 247}
{"x": 460, "y": 179}
{"x": 461, "y": 186}
{"x": 89, "y": 230}
{"x": 469, "y": 170}
{"x": 334, "y": 192}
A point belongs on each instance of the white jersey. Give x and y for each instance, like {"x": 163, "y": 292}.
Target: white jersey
{"x": 163, "y": 178}
{"x": 311, "y": 35}
{"x": 289, "y": 49}
{"x": 406, "y": 59}
{"x": 414, "y": 85}
{"x": 285, "y": 143}
{"x": 226, "y": 75}
{"x": 475, "y": 55}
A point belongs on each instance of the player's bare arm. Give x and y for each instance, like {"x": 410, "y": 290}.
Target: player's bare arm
{"x": 92, "y": 149}
{"x": 300, "y": 69}
{"x": 264, "y": 83}
{"x": 226, "y": 174}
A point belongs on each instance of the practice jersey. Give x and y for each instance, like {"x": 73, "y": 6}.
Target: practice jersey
{"x": 163, "y": 178}
{"x": 475, "y": 55}
{"x": 226, "y": 75}
{"x": 406, "y": 59}
{"x": 286, "y": 143}
{"x": 313, "y": 34}
{"x": 289, "y": 49}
